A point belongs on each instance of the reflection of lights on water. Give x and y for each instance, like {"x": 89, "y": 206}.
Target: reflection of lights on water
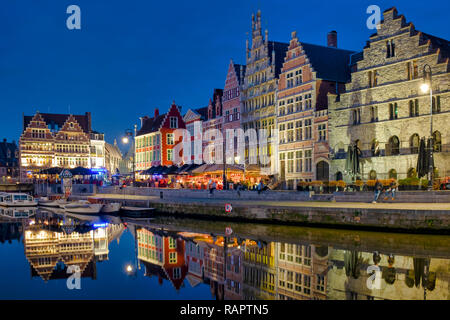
{"x": 100, "y": 225}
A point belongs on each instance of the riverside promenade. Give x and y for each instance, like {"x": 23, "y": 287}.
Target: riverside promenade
{"x": 300, "y": 208}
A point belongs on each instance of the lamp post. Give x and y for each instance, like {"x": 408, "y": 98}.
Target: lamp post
{"x": 425, "y": 87}
{"x": 225, "y": 184}
{"x": 130, "y": 134}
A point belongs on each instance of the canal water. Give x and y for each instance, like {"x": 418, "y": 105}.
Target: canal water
{"x": 49, "y": 254}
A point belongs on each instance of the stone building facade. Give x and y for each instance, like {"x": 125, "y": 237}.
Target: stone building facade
{"x": 258, "y": 93}
{"x": 384, "y": 111}
{"x": 55, "y": 140}
{"x": 113, "y": 158}
{"x": 308, "y": 74}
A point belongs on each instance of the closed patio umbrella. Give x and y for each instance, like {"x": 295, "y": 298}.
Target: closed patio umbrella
{"x": 422, "y": 161}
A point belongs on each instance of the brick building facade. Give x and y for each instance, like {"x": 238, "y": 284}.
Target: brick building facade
{"x": 155, "y": 140}
{"x": 308, "y": 74}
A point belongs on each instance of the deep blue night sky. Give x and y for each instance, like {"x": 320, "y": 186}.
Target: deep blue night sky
{"x": 133, "y": 56}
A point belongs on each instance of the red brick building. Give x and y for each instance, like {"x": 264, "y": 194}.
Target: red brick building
{"x": 163, "y": 255}
{"x": 308, "y": 74}
{"x": 231, "y": 100}
{"x": 231, "y": 103}
{"x": 155, "y": 140}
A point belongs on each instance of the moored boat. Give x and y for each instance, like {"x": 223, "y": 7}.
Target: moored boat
{"x": 111, "y": 207}
{"x": 17, "y": 200}
{"x": 46, "y": 202}
{"x": 136, "y": 211}
{"x": 83, "y": 207}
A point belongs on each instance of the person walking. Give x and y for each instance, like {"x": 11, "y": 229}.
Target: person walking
{"x": 260, "y": 187}
{"x": 212, "y": 188}
{"x": 239, "y": 188}
{"x": 392, "y": 188}
{"x": 378, "y": 188}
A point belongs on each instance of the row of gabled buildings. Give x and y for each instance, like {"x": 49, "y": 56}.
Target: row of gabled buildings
{"x": 321, "y": 100}
{"x": 65, "y": 141}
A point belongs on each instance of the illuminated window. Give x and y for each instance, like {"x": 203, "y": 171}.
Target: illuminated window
{"x": 170, "y": 139}
{"x": 172, "y": 257}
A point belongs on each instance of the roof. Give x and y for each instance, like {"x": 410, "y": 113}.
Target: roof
{"x": 203, "y": 112}
{"x": 280, "y": 52}
{"x": 151, "y": 124}
{"x": 52, "y": 119}
{"x": 330, "y": 63}
{"x": 355, "y": 57}
{"x": 237, "y": 70}
{"x": 443, "y": 44}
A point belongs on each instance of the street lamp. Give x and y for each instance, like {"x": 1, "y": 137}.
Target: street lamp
{"x": 130, "y": 134}
{"x": 425, "y": 87}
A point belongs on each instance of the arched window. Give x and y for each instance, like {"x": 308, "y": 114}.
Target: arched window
{"x": 339, "y": 176}
{"x": 372, "y": 175}
{"x": 322, "y": 171}
{"x": 414, "y": 143}
{"x": 412, "y": 173}
{"x": 392, "y": 174}
{"x": 394, "y": 146}
{"x": 437, "y": 142}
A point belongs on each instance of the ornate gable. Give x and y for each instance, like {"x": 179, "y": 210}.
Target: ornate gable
{"x": 174, "y": 111}
{"x": 37, "y": 129}
{"x": 71, "y": 130}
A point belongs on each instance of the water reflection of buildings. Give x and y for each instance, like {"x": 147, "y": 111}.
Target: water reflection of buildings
{"x": 163, "y": 255}
{"x": 402, "y": 277}
{"x": 53, "y": 244}
{"x": 246, "y": 269}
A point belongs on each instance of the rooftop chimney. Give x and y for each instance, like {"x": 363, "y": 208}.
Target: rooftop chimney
{"x": 156, "y": 112}
{"x": 332, "y": 39}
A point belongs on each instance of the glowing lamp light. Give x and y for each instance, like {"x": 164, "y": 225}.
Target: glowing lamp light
{"x": 424, "y": 87}
{"x": 129, "y": 268}
{"x": 125, "y": 140}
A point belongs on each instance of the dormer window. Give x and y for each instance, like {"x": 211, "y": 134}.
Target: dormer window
{"x": 173, "y": 122}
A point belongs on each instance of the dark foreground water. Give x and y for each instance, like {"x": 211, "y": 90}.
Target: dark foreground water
{"x": 51, "y": 255}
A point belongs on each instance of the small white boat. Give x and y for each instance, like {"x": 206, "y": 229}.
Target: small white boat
{"x": 17, "y": 200}
{"x": 111, "y": 207}
{"x": 46, "y": 202}
{"x": 83, "y": 207}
